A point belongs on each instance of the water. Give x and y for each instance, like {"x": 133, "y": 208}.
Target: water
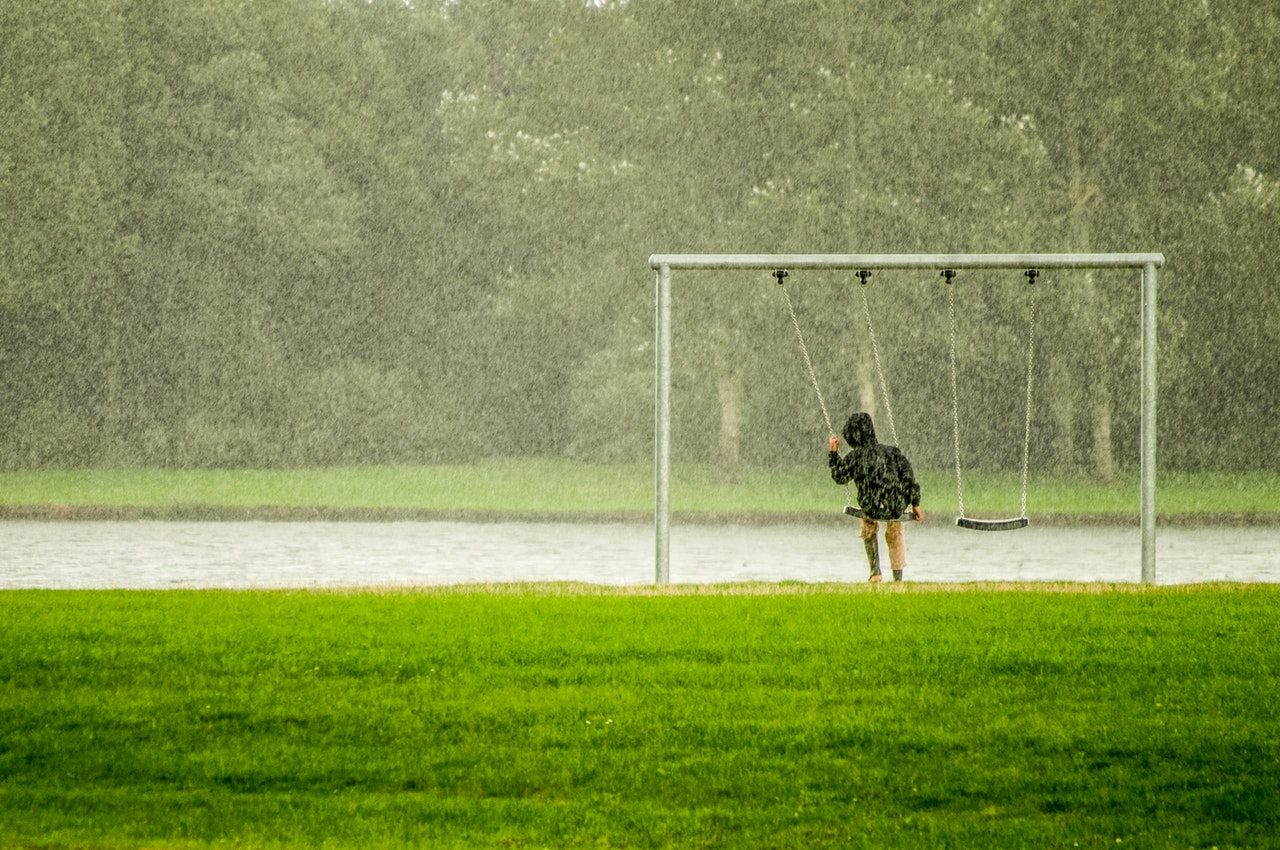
{"x": 323, "y": 554}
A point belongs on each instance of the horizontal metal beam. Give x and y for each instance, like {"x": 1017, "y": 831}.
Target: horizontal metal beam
{"x": 905, "y": 261}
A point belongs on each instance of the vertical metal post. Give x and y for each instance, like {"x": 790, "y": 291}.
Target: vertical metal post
{"x": 662, "y": 427}
{"x": 1148, "y": 428}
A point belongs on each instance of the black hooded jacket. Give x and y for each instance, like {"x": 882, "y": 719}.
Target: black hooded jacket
{"x": 886, "y": 484}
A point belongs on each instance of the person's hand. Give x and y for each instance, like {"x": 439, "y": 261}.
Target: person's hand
{"x": 917, "y": 513}
{"x": 833, "y": 444}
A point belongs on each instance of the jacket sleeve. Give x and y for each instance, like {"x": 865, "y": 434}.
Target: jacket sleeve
{"x": 909, "y": 479}
{"x": 841, "y": 468}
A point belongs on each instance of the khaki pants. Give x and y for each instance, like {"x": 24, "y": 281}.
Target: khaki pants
{"x": 892, "y": 537}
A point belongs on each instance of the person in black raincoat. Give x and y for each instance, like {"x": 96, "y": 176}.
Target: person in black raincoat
{"x": 886, "y": 488}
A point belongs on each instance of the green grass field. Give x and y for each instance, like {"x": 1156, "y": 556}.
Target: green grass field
{"x": 561, "y": 716}
{"x": 565, "y": 488}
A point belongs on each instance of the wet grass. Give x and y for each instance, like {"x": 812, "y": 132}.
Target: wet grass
{"x": 565, "y": 488}
{"x": 557, "y": 716}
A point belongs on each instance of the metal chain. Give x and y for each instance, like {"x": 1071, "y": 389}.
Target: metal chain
{"x": 804, "y": 349}
{"x": 1026, "y": 437}
{"x": 955, "y": 399}
{"x": 875, "y": 352}
{"x": 813, "y": 379}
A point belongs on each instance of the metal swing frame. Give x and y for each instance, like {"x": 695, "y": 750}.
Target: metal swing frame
{"x": 664, "y": 264}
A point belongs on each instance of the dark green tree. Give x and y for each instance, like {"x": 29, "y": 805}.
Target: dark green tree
{"x": 1141, "y": 113}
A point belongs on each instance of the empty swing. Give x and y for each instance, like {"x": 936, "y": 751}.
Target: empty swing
{"x": 1020, "y": 521}
{"x": 850, "y": 508}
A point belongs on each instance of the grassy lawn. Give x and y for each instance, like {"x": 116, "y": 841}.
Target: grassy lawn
{"x": 532, "y": 487}
{"x": 561, "y": 716}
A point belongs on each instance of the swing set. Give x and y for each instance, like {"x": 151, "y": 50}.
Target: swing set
{"x": 962, "y": 520}
{"x": 948, "y": 265}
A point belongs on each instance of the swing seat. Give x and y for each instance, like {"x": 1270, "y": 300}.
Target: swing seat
{"x": 993, "y": 524}
{"x": 855, "y": 511}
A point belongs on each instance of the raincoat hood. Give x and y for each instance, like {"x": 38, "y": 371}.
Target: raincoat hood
{"x": 859, "y": 433}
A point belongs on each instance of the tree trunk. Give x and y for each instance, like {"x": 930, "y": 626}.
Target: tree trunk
{"x": 866, "y": 399}
{"x": 1103, "y": 459}
{"x": 1090, "y": 317}
{"x": 729, "y": 389}
{"x": 108, "y": 332}
{"x": 1061, "y": 391}
{"x": 1095, "y": 324}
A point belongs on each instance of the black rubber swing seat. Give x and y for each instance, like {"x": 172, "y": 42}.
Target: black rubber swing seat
{"x": 993, "y": 524}
{"x": 855, "y": 511}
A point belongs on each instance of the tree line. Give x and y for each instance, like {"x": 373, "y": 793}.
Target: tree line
{"x": 301, "y": 232}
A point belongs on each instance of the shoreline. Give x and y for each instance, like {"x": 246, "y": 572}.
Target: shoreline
{"x": 281, "y": 513}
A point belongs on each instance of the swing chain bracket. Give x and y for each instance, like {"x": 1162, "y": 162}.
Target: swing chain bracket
{"x": 1031, "y": 275}
{"x": 863, "y": 274}
{"x": 948, "y": 274}
{"x": 781, "y": 274}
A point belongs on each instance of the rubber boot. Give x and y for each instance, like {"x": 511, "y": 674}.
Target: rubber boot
{"x": 897, "y": 575}
{"x": 872, "y": 545}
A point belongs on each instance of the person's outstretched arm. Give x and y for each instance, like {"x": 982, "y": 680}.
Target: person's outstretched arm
{"x": 841, "y": 471}
{"x": 913, "y": 487}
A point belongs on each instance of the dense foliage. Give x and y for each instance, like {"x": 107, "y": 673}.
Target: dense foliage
{"x": 309, "y": 233}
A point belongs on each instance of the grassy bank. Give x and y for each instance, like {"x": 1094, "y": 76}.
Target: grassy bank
{"x": 782, "y": 716}
{"x": 564, "y": 488}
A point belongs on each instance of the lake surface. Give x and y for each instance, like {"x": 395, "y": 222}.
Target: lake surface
{"x": 324, "y": 554}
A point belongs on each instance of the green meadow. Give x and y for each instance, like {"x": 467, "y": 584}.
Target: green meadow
{"x": 574, "y": 716}
{"x": 514, "y": 488}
